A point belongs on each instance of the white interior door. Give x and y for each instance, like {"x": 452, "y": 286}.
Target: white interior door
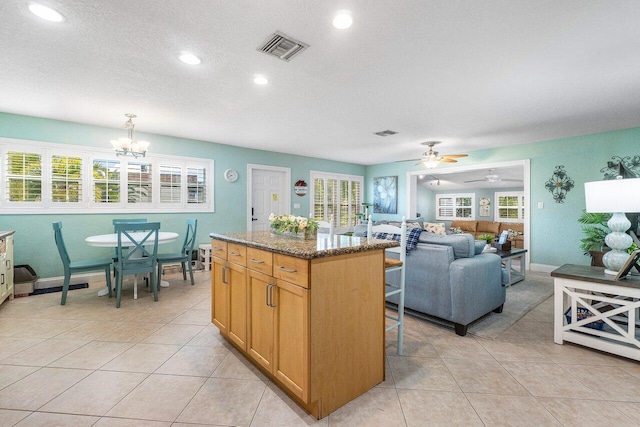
{"x": 269, "y": 194}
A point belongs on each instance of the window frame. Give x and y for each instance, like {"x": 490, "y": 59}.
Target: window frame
{"x": 455, "y": 196}
{"x": 87, "y": 204}
{"x": 352, "y": 209}
{"x": 521, "y": 208}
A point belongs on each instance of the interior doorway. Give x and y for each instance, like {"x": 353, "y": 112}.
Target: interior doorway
{"x": 269, "y": 192}
{"x": 412, "y": 189}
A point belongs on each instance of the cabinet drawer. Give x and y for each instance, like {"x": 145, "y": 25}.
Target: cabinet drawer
{"x": 237, "y": 253}
{"x": 260, "y": 260}
{"x": 291, "y": 269}
{"x": 219, "y": 248}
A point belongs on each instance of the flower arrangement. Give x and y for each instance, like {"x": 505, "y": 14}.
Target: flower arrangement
{"x": 293, "y": 225}
{"x": 487, "y": 238}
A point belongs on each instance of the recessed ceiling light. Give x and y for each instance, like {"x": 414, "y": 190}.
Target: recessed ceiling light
{"x": 189, "y": 58}
{"x": 342, "y": 19}
{"x": 260, "y": 80}
{"x": 45, "y": 13}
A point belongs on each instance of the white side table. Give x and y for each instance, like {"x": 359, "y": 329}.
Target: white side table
{"x": 205, "y": 255}
{"x": 612, "y": 308}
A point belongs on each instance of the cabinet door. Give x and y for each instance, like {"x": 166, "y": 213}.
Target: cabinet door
{"x": 9, "y": 264}
{"x": 4, "y": 290}
{"x": 236, "y": 275}
{"x": 260, "y": 319}
{"x": 291, "y": 355}
{"x": 219, "y": 295}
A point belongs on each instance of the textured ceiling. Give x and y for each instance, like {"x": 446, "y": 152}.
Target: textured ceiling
{"x": 471, "y": 74}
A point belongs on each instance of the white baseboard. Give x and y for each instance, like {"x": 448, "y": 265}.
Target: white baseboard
{"x": 542, "y": 268}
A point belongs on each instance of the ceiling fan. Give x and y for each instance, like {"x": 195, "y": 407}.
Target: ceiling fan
{"x": 493, "y": 177}
{"x": 431, "y": 158}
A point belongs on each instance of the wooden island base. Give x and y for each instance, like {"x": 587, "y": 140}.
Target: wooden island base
{"x": 314, "y": 326}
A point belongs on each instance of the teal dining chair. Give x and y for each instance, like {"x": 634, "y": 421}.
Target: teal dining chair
{"x": 136, "y": 254}
{"x": 185, "y": 256}
{"x": 71, "y": 267}
{"x": 124, "y": 221}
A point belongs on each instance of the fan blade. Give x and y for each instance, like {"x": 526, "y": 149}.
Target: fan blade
{"x": 447, "y": 160}
{"x": 514, "y": 180}
{"x": 455, "y": 156}
{"x": 407, "y": 160}
{"x": 475, "y": 180}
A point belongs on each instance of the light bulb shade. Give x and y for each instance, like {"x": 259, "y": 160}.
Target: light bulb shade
{"x": 431, "y": 163}
{"x": 142, "y": 146}
{"x": 616, "y": 195}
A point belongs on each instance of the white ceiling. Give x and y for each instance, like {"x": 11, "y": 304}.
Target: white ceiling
{"x": 500, "y": 177}
{"x": 473, "y": 74}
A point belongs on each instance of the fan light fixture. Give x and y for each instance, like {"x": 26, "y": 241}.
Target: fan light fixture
{"x": 343, "y": 20}
{"x": 128, "y": 146}
{"x": 430, "y": 159}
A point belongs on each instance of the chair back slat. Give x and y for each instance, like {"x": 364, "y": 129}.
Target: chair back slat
{"x": 190, "y": 238}
{"x": 62, "y": 249}
{"x": 137, "y": 246}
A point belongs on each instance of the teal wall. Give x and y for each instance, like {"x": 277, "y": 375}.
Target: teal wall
{"x": 34, "y": 244}
{"x": 555, "y": 232}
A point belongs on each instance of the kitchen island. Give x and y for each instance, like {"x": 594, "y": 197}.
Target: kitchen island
{"x": 309, "y": 313}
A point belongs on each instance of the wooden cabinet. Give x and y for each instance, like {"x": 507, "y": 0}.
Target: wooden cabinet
{"x": 315, "y": 327}
{"x": 229, "y": 292}
{"x": 6, "y": 267}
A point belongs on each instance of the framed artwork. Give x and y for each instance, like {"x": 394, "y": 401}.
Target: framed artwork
{"x": 485, "y": 203}
{"x": 385, "y": 194}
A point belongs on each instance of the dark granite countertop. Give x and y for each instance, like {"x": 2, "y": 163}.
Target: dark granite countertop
{"x": 594, "y": 274}
{"x": 323, "y": 245}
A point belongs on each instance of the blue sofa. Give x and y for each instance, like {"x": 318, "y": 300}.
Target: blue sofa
{"x": 448, "y": 277}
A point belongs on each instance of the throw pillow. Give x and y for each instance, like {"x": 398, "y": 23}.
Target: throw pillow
{"x": 435, "y": 227}
{"x": 413, "y": 224}
{"x": 413, "y": 234}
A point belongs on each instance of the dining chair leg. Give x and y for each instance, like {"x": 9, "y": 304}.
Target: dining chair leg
{"x": 65, "y": 288}
{"x": 190, "y": 272}
{"x": 154, "y": 285}
{"x": 184, "y": 271}
{"x": 118, "y": 290}
{"x": 107, "y": 272}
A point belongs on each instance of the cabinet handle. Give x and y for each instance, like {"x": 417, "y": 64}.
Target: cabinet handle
{"x": 286, "y": 270}
{"x": 2, "y": 279}
{"x": 224, "y": 275}
{"x": 256, "y": 261}
{"x": 271, "y": 296}
{"x": 234, "y": 254}
{"x": 213, "y": 248}
{"x": 266, "y": 295}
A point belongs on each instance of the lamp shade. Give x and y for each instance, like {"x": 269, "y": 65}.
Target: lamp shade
{"x": 616, "y": 195}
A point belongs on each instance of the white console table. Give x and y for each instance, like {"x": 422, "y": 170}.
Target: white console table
{"x": 612, "y": 307}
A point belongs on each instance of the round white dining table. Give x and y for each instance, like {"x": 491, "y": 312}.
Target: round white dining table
{"x": 111, "y": 241}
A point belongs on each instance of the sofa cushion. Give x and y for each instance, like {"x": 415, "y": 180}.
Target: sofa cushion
{"x": 465, "y": 226}
{"x": 412, "y": 224}
{"x": 463, "y": 245}
{"x": 435, "y": 227}
{"x": 488, "y": 227}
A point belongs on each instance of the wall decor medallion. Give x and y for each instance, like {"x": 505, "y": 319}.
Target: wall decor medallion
{"x": 626, "y": 167}
{"x": 385, "y": 194}
{"x": 559, "y": 184}
{"x": 300, "y": 188}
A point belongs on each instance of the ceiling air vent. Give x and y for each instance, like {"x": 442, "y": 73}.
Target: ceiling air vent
{"x": 385, "y": 133}
{"x": 282, "y": 46}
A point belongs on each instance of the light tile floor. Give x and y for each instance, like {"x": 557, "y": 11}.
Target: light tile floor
{"x": 164, "y": 364}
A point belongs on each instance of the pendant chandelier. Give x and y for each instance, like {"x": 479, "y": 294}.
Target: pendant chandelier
{"x": 128, "y": 146}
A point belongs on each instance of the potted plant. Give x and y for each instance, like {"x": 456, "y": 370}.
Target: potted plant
{"x": 594, "y": 227}
{"x": 487, "y": 238}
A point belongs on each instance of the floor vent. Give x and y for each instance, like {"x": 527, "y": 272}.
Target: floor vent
{"x": 385, "y": 133}
{"x": 282, "y": 46}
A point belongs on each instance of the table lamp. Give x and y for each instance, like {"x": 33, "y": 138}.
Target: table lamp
{"x": 615, "y": 196}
